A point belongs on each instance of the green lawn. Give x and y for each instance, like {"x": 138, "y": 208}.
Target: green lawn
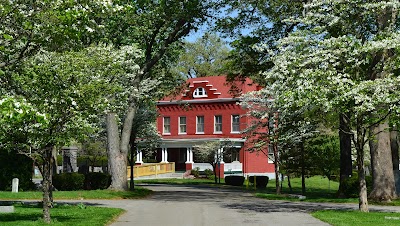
{"x": 61, "y": 215}
{"x": 355, "y": 218}
{"x": 84, "y": 194}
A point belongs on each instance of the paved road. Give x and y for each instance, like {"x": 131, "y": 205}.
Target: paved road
{"x": 208, "y": 206}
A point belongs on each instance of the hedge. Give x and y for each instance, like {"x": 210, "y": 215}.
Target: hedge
{"x": 234, "y": 180}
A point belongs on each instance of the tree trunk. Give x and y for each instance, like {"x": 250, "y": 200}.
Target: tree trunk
{"x": 303, "y": 170}
{"x": 394, "y": 146}
{"x": 47, "y": 171}
{"x": 359, "y": 144}
{"x": 132, "y": 164}
{"x": 276, "y": 165}
{"x": 289, "y": 184}
{"x": 345, "y": 152}
{"x": 117, "y": 160}
{"x": 383, "y": 186}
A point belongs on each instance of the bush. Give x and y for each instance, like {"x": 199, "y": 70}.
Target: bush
{"x": 14, "y": 165}
{"x": 68, "y": 181}
{"x": 195, "y": 172}
{"x": 261, "y": 181}
{"x": 234, "y": 180}
{"x": 94, "y": 181}
{"x": 209, "y": 174}
{"x": 351, "y": 185}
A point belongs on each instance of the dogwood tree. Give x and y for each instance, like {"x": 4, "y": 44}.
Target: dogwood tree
{"x": 343, "y": 59}
{"x": 63, "y": 95}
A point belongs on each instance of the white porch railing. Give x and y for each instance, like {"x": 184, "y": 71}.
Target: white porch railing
{"x": 228, "y": 167}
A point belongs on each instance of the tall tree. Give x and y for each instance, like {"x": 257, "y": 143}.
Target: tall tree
{"x": 64, "y": 93}
{"x": 252, "y": 24}
{"x": 157, "y": 27}
{"x": 207, "y": 56}
{"x": 329, "y": 61}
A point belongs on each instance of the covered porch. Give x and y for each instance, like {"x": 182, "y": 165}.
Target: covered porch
{"x": 182, "y": 153}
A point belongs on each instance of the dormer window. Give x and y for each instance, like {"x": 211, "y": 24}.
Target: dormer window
{"x": 199, "y": 92}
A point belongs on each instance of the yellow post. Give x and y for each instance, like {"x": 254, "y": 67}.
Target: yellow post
{"x": 255, "y": 182}
{"x": 247, "y": 182}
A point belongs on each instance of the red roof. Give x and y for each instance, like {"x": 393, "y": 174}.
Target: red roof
{"x": 216, "y": 87}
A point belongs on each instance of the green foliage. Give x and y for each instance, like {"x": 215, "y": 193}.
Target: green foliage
{"x": 195, "y": 172}
{"x": 97, "y": 180}
{"x": 234, "y": 180}
{"x": 351, "y": 185}
{"x": 209, "y": 174}
{"x": 323, "y": 153}
{"x": 68, "y": 181}
{"x": 13, "y": 165}
{"x": 207, "y": 56}
{"x": 261, "y": 181}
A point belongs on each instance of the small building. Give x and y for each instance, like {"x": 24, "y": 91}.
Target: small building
{"x": 207, "y": 110}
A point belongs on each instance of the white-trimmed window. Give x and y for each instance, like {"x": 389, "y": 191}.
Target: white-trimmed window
{"x": 235, "y": 124}
{"x": 200, "y": 124}
{"x": 167, "y": 125}
{"x": 182, "y": 125}
{"x": 200, "y": 92}
{"x": 218, "y": 124}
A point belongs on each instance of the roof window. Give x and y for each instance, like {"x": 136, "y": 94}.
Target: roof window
{"x": 199, "y": 92}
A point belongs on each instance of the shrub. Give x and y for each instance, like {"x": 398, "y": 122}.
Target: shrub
{"x": 261, "y": 181}
{"x": 195, "y": 172}
{"x": 94, "y": 181}
{"x": 209, "y": 173}
{"x": 351, "y": 185}
{"x": 234, "y": 180}
{"x": 9, "y": 170}
{"x": 68, "y": 181}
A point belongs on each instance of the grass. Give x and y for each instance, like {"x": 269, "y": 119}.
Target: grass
{"x": 84, "y": 194}
{"x": 318, "y": 189}
{"x": 355, "y": 218}
{"x": 25, "y": 215}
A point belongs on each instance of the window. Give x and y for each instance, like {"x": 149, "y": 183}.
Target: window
{"x": 200, "y": 92}
{"x": 182, "y": 125}
{"x": 235, "y": 123}
{"x": 218, "y": 124}
{"x": 200, "y": 124}
{"x": 167, "y": 125}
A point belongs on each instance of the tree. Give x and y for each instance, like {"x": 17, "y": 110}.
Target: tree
{"x": 144, "y": 135}
{"x": 212, "y": 152}
{"x": 63, "y": 95}
{"x": 278, "y": 127}
{"x": 93, "y": 150}
{"x": 157, "y": 27}
{"x": 204, "y": 57}
{"x": 255, "y": 24}
{"x": 342, "y": 57}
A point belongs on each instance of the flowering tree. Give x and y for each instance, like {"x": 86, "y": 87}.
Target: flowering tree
{"x": 343, "y": 59}
{"x": 212, "y": 152}
{"x": 282, "y": 128}
{"x": 63, "y": 94}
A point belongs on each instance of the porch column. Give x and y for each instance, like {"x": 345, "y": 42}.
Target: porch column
{"x": 221, "y": 155}
{"x": 139, "y": 156}
{"x": 189, "y": 158}
{"x": 164, "y": 155}
{"x": 221, "y": 164}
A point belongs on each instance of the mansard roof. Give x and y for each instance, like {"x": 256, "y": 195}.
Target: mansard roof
{"x": 212, "y": 88}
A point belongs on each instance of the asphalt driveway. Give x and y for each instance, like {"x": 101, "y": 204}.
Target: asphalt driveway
{"x": 197, "y": 206}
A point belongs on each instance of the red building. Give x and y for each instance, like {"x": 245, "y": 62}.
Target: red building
{"x": 207, "y": 111}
